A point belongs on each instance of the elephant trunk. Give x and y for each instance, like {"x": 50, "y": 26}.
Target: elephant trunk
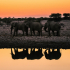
{"x": 11, "y": 29}
{"x": 45, "y": 29}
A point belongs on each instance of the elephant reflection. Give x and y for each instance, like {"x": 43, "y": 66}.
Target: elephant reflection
{"x": 35, "y": 54}
{"x": 53, "y": 55}
{"x": 19, "y": 55}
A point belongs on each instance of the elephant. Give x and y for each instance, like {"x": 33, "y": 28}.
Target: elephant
{"x": 19, "y": 25}
{"x": 34, "y": 26}
{"x": 52, "y": 26}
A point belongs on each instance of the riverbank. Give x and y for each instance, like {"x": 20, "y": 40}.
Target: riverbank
{"x": 35, "y": 42}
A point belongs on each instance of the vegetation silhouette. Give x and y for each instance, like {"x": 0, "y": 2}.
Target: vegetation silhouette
{"x": 52, "y": 17}
{"x": 55, "y": 17}
{"x": 52, "y": 55}
{"x": 66, "y": 15}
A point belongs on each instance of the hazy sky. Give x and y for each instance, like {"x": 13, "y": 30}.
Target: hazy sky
{"x": 33, "y": 8}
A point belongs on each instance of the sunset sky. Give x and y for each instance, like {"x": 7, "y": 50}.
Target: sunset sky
{"x": 33, "y": 8}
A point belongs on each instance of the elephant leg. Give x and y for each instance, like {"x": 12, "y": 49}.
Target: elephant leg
{"x": 16, "y": 32}
{"x": 41, "y": 32}
{"x": 53, "y": 32}
{"x": 26, "y": 32}
{"x": 49, "y": 32}
{"x": 11, "y": 31}
{"x": 38, "y": 33}
{"x": 31, "y": 31}
{"x": 34, "y": 32}
{"x": 58, "y": 33}
{"x": 23, "y": 32}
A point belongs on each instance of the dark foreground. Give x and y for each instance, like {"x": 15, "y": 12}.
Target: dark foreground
{"x": 35, "y": 42}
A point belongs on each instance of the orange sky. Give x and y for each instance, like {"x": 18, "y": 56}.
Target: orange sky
{"x": 33, "y": 8}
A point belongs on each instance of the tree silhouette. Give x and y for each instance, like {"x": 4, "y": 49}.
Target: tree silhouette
{"x": 0, "y": 19}
{"x": 66, "y": 15}
{"x": 55, "y": 16}
{"x": 7, "y": 20}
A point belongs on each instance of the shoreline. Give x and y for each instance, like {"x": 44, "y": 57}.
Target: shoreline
{"x": 35, "y": 42}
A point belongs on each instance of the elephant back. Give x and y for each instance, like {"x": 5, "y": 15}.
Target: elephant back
{"x": 37, "y": 25}
{"x": 54, "y": 25}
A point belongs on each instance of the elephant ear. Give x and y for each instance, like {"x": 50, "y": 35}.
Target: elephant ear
{"x": 26, "y": 24}
{"x": 14, "y": 24}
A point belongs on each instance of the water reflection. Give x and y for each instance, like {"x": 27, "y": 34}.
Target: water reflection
{"x": 35, "y": 54}
{"x": 7, "y": 63}
{"x": 54, "y": 54}
{"x": 19, "y": 55}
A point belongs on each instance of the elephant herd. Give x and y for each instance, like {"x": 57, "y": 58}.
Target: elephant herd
{"x": 35, "y": 26}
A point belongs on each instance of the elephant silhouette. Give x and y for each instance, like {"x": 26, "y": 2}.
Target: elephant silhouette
{"x": 34, "y": 26}
{"x": 53, "y": 55}
{"x": 52, "y": 26}
{"x": 18, "y": 25}
{"x": 19, "y": 55}
{"x": 35, "y": 54}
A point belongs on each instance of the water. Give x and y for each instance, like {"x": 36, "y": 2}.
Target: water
{"x": 7, "y": 63}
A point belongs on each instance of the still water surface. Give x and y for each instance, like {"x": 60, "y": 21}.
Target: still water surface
{"x": 7, "y": 63}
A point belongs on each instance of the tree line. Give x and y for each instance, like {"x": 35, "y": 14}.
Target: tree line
{"x": 53, "y": 16}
